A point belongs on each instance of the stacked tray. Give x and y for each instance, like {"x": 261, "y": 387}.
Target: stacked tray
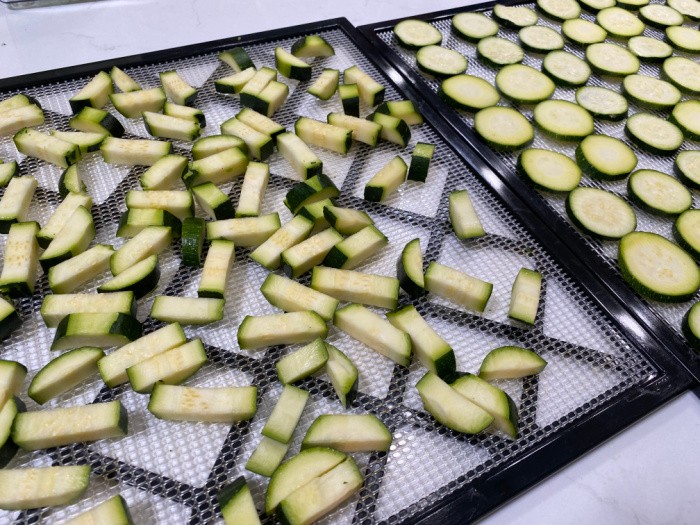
{"x": 664, "y": 318}
{"x": 604, "y": 371}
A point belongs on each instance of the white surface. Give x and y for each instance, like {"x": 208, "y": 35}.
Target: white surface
{"x": 650, "y": 474}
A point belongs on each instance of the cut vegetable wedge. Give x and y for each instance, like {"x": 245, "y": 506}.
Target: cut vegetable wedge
{"x": 348, "y": 433}
{"x": 63, "y": 373}
{"x": 299, "y": 471}
{"x": 459, "y": 287}
{"x": 375, "y": 332}
{"x": 65, "y": 426}
{"x": 451, "y": 408}
{"x": 29, "y": 488}
{"x": 510, "y": 362}
{"x": 431, "y": 350}
{"x": 321, "y": 495}
{"x": 261, "y": 331}
{"x": 210, "y": 405}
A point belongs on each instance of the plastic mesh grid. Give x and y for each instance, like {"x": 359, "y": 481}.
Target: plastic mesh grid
{"x": 170, "y": 472}
{"x": 671, "y": 313}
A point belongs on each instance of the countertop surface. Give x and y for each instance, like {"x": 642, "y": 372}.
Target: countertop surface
{"x": 649, "y": 474}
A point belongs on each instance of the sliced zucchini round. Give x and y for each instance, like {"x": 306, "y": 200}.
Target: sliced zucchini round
{"x": 686, "y": 115}
{"x": 649, "y": 49}
{"x": 656, "y": 268}
{"x": 524, "y": 84}
{"x": 653, "y": 134}
{"x": 660, "y": 16}
{"x": 605, "y": 158}
{"x": 499, "y": 52}
{"x": 559, "y": 10}
{"x": 593, "y": 6}
{"x": 658, "y": 193}
{"x": 602, "y": 103}
{"x": 563, "y": 120}
{"x": 686, "y": 231}
{"x": 691, "y": 326}
{"x": 473, "y": 26}
{"x": 566, "y": 69}
{"x": 468, "y": 92}
{"x": 514, "y": 17}
{"x": 540, "y": 39}
{"x": 611, "y": 59}
{"x": 684, "y": 38}
{"x": 682, "y": 73}
{"x": 414, "y": 34}
{"x": 650, "y": 92}
{"x": 600, "y": 213}
{"x": 689, "y": 8}
{"x": 687, "y": 168}
{"x": 549, "y": 170}
{"x": 620, "y": 22}
{"x": 504, "y": 129}
{"x": 583, "y": 32}
{"x": 440, "y": 62}
{"x": 632, "y": 5}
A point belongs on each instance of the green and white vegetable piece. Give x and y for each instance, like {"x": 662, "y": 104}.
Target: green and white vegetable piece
{"x": 657, "y": 268}
{"x": 510, "y": 362}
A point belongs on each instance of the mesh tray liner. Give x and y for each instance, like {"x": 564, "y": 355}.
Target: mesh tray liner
{"x": 671, "y": 313}
{"x": 170, "y": 472}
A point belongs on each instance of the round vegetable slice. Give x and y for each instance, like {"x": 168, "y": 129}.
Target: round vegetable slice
{"x": 686, "y": 231}
{"x": 504, "y": 129}
{"x": 583, "y": 32}
{"x": 686, "y": 115}
{"x": 593, "y": 6}
{"x": 691, "y": 326}
{"x": 656, "y": 268}
{"x": 650, "y": 92}
{"x": 689, "y": 8}
{"x": 474, "y": 26}
{"x": 611, "y": 59}
{"x": 649, "y": 49}
{"x": 563, "y": 120}
{"x": 605, "y": 158}
{"x": 559, "y": 10}
{"x": 524, "y": 84}
{"x": 602, "y": 103}
{"x": 600, "y": 213}
{"x": 414, "y": 34}
{"x": 440, "y": 62}
{"x": 499, "y": 52}
{"x": 468, "y": 92}
{"x": 660, "y": 16}
{"x": 620, "y": 22}
{"x": 631, "y": 5}
{"x": 684, "y": 38}
{"x": 687, "y": 168}
{"x": 658, "y": 193}
{"x": 566, "y": 69}
{"x": 549, "y": 170}
{"x": 653, "y": 134}
{"x": 682, "y": 73}
{"x": 514, "y": 17}
{"x": 540, "y": 39}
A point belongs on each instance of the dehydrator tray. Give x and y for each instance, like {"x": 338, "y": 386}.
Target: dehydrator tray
{"x": 605, "y": 370}
{"x": 664, "y": 319}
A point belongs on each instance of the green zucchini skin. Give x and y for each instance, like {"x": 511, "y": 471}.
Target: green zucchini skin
{"x": 692, "y": 336}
